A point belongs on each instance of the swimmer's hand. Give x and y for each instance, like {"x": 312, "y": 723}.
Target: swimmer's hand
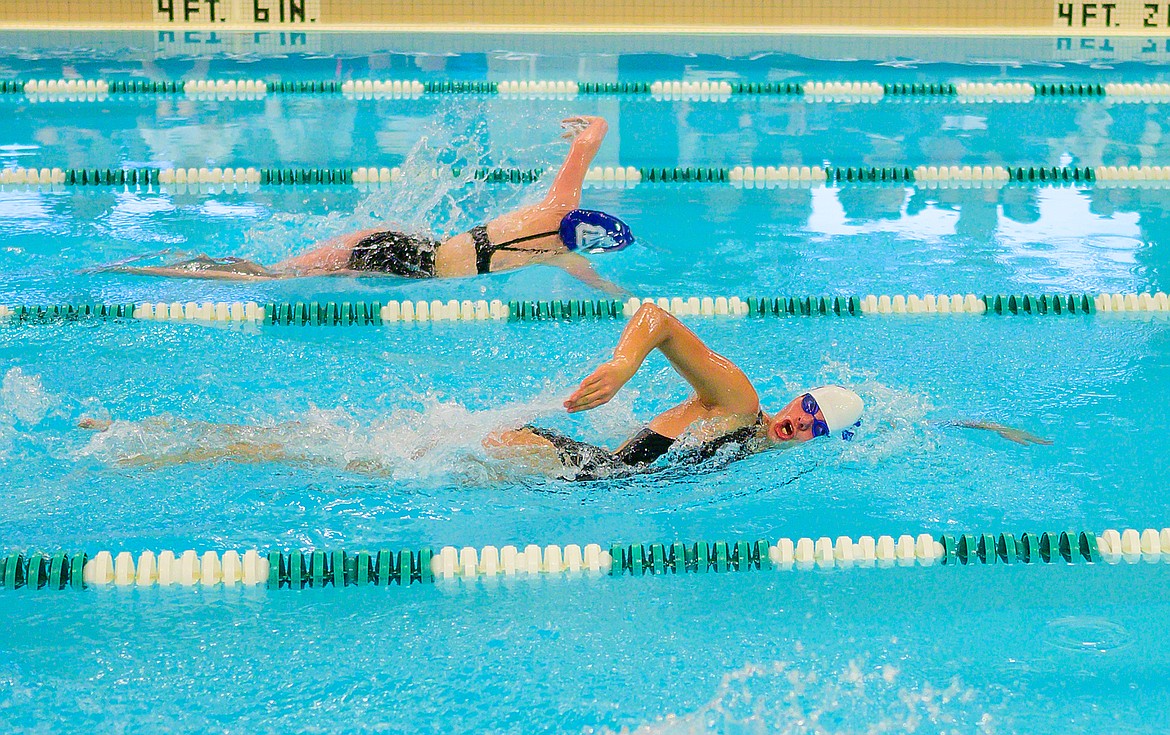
{"x": 578, "y": 124}
{"x": 93, "y": 424}
{"x": 1012, "y": 434}
{"x": 600, "y": 387}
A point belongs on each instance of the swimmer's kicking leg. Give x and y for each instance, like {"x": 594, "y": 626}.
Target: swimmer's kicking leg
{"x": 239, "y": 443}
{"x": 233, "y": 442}
{"x": 329, "y": 258}
{"x": 205, "y": 267}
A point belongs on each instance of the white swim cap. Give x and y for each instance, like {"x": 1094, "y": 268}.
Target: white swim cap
{"x": 841, "y": 408}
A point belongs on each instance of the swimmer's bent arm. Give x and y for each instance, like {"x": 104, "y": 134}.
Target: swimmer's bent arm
{"x": 719, "y": 385}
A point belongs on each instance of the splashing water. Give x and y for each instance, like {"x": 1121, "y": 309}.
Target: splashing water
{"x": 437, "y": 194}
{"x": 894, "y": 421}
{"x": 945, "y": 469}
{"x": 816, "y": 697}
{"x": 24, "y": 403}
{"x": 24, "y": 398}
{"x": 440, "y": 442}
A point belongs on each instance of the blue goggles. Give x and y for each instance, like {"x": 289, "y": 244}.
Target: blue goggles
{"x": 809, "y": 404}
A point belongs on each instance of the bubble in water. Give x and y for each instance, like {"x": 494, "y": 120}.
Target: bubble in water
{"x": 1088, "y": 634}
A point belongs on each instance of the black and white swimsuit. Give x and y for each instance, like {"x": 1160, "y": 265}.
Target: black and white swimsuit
{"x": 591, "y": 462}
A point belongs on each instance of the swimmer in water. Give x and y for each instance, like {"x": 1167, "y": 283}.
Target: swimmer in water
{"x": 724, "y": 410}
{"x": 554, "y": 232}
{"x": 722, "y": 416}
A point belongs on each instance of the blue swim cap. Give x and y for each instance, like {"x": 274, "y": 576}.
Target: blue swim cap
{"x": 594, "y": 232}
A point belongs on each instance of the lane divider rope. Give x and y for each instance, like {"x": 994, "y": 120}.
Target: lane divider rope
{"x": 359, "y": 313}
{"x": 695, "y": 90}
{"x": 265, "y": 176}
{"x": 316, "y": 568}
{"x": 609, "y": 176}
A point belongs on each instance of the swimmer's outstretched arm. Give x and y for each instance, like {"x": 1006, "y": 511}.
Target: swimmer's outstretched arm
{"x": 579, "y": 267}
{"x": 1019, "y": 436}
{"x": 720, "y": 387}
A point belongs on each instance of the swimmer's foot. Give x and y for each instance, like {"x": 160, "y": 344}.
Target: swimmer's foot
{"x": 88, "y": 422}
{"x": 1012, "y": 434}
{"x": 1019, "y": 436}
{"x": 203, "y": 266}
{"x": 206, "y": 264}
{"x": 121, "y": 265}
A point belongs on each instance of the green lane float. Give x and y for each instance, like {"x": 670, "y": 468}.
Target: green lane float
{"x": 1051, "y": 173}
{"x": 317, "y": 568}
{"x": 870, "y": 174}
{"x": 303, "y": 87}
{"x": 807, "y": 306}
{"x": 919, "y": 89}
{"x": 458, "y": 87}
{"x": 509, "y": 175}
{"x": 685, "y": 174}
{"x": 639, "y": 88}
{"x": 301, "y": 176}
{"x": 66, "y": 312}
{"x": 1053, "y": 304}
{"x": 767, "y": 88}
{"x": 1070, "y": 90}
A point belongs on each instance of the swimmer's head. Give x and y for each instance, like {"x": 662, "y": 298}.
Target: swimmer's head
{"x": 826, "y": 411}
{"x": 590, "y": 231}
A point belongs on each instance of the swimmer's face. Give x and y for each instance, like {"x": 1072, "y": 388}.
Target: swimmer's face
{"x": 792, "y": 423}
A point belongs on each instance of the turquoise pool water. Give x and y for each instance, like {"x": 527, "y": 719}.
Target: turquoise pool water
{"x": 384, "y": 423}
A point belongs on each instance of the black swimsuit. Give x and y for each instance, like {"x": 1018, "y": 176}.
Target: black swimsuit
{"x": 413, "y": 256}
{"x": 409, "y": 256}
{"x": 592, "y": 462}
